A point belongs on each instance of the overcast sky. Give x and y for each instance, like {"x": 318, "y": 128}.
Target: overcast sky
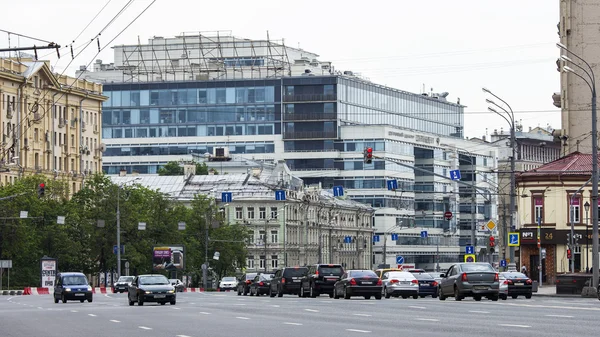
{"x": 456, "y": 46}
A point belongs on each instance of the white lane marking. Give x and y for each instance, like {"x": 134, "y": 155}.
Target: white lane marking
{"x": 40, "y": 308}
{"x": 183, "y": 336}
{"x": 327, "y": 301}
{"x": 515, "y": 325}
{"x": 239, "y": 317}
{"x": 115, "y": 321}
{"x": 92, "y": 315}
{"x": 239, "y": 304}
{"x": 427, "y": 319}
{"x": 416, "y": 307}
{"x": 311, "y": 310}
{"x": 176, "y": 308}
{"x": 356, "y": 330}
{"x": 291, "y": 323}
{"x": 547, "y": 306}
{"x": 479, "y": 312}
{"x": 560, "y": 316}
{"x": 192, "y": 303}
{"x": 363, "y": 315}
{"x": 275, "y": 306}
{"x": 74, "y": 311}
{"x": 204, "y": 313}
{"x": 144, "y": 327}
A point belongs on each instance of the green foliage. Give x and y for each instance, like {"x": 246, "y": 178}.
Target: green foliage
{"x": 173, "y": 168}
{"x": 80, "y": 245}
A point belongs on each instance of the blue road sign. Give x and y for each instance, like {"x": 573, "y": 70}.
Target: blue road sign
{"x": 338, "y": 191}
{"x": 226, "y": 196}
{"x": 455, "y": 174}
{"x": 375, "y": 238}
{"x": 394, "y": 237}
{"x": 424, "y": 234}
{"x": 399, "y": 259}
{"x": 513, "y": 239}
{"x": 115, "y": 249}
{"x": 502, "y": 263}
{"x": 469, "y": 250}
{"x": 280, "y": 195}
{"x": 392, "y": 185}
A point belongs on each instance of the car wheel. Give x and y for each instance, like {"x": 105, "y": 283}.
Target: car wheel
{"x": 131, "y": 303}
{"x": 330, "y": 295}
{"x": 416, "y": 296}
{"x": 271, "y": 293}
{"x": 251, "y": 292}
{"x": 367, "y": 297}
{"x": 441, "y": 295}
{"x": 404, "y": 296}
{"x": 503, "y": 297}
{"x": 387, "y": 294}
{"x": 312, "y": 291}
{"x": 528, "y": 296}
{"x": 378, "y": 296}
{"x": 173, "y": 302}
{"x": 245, "y": 292}
{"x": 163, "y": 303}
{"x": 422, "y": 296}
{"x": 477, "y": 298}
{"x": 514, "y": 296}
{"x": 81, "y": 301}
{"x": 346, "y": 295}
{"x": 457, "y": 296}
{"x": 279, "y": 292}
{"x": 55, "y": 299}
{"x": 140, "y": 301}
{"x": 239, "y": 292}
{"x": 495, "y": 298}
{"x": 64, "y": 299}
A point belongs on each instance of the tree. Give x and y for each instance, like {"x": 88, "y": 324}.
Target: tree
{"x": 172, "y": 168}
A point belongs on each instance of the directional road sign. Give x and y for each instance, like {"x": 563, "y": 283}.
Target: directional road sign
{"x": 226, "y": 197}
{"x": 514, "y": 240}
{"x": 503, "y": 263}
{"x": 394, "y": 237}
{"x": 399, "y": 259}
{"x": 469, "y": 250}
{"x": 338, "y": 191}
{"x": 375, "y": 238}
{"x": 115, "y": 249}
{"x": 424, "y": 234}
{"x": 392, "y": 185}
{"x": 280, "y": 195}
{"x": 455, "y": 174}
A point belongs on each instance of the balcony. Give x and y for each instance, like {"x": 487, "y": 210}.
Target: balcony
{"x": 310, "y": 135}
{"x": 309, "y": 98}
{"x": 312, "y": 116}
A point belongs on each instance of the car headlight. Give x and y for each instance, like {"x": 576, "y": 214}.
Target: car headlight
{"x": 148, "y": 292}
{"x": 89, "y": 288}
{"x": 171, "y": 291}
{"x": 68, "y": 289}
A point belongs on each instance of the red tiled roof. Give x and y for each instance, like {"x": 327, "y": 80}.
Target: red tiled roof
{"x": 575, "y": 163}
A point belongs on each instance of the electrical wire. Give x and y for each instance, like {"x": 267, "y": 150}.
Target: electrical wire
{"x": 29, "y": 37}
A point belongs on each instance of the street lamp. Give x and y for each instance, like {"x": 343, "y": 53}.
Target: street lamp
{"x": 592, "y": 85}
{"x": 510, "y": 119}
{"x": 586, "y": 206}
{"x": 119, "y": 224}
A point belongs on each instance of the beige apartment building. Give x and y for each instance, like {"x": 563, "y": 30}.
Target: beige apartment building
{"x": 51, "y": 124}
{"x": 578, "y": 30}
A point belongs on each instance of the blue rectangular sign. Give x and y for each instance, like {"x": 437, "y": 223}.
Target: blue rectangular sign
{"x": 502, "y": 263}
{"x": 469, "y": 250}
{"x": 338, "y": 191}
{"x": 115, "y": 249}
{"x": 226, "y": 197}
{"x": 392, "y": 185}
{"x": 394, "y": 237}
{"x": 375, "y": 238}
{"x": 424, "y": 234}
{"x": 280, "y": 195}
{"x": 455, "y": 174}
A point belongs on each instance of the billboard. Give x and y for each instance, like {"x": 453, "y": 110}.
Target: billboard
{"x": 167, "y": 257}
{"x": 48, "y": 272}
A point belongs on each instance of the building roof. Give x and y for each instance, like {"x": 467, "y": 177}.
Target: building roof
{"x": 574, "y": 164}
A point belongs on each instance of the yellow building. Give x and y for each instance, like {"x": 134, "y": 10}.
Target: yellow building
{"x": 549, "y": 193}
{"x": 51, "y": 124}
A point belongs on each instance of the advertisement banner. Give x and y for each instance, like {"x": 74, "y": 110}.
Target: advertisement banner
{"x": 167, "y": 257}
{"x": 48, "y": 272}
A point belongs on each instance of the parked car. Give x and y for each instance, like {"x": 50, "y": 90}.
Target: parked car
{"x": 503, "y": 287}
{"x": 518, "y": 284}
{"x": 428, "y": 286}
{"x": 260, "y": 285}
{"x": 320, "y": 279}
{"x": 287, "y": 281}
{"x": 400, "y": 283}
{"x": 470, "y": 279}
{"x": 122, "y": 284}
{"x": 358, "y": 283}
{"x": 151, "y": 288}
{"x": 177, "y": 284}
{"x": 380, "y": 272}
{"x": 243, "y": 286}
{"x": 72, "y": 286}
{"x": 228, "y": 283}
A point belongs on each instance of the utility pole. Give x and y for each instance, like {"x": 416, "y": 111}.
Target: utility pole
{"x": 473, "y": 206}
{"x": 265, "y": 240}
{"x": 206, "y": 239}
{"x": 539, "y": 243}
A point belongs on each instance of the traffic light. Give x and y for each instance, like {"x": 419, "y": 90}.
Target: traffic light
{"x": 41, "y": 190}
{"x": 368, "y": 155}
{"x": 492, "y": 244}
{"x": 569, "y": 255}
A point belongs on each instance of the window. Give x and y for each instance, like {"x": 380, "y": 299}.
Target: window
{"x": 262, "y": 262}
{"x": 274, "y": 236}
{"x": 250, "y": 261}
{"x": 261, "y": 237}
{"x": 238, "y": 213}
{"x": 273, "y": 212}
{"x": 538, "y": 208}
{"x": 250, "y": 212}
{"x": 262, "y": 212}
{"x": 575, "y": 210}
{"x": 274, "y": 261}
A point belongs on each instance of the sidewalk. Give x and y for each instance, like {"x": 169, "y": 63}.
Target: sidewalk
{"x": 550, "y": 291}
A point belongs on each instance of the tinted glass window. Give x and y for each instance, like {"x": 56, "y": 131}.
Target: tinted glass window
{"x": 295, "y": 272}
{"x": 266, "y": 276}
{"x": 228, "y": 279}
{"x": 477, "y": 267}
{"x": 157, "y": 280}
{"x": 423, "y": 276}
{"x": 125, "y": 279}
{"x": 362, "y": 273}
{"x": 74, "y": 280}
{"x": 514, "y": 275}
{"x": 250, "y": 276}
{"x": 331, "y": 270}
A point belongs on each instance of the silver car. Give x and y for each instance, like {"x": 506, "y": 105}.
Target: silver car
{"x": 228, "y": 283}
{"x": 400, "y": 283}
{"x": 503, "y": 287}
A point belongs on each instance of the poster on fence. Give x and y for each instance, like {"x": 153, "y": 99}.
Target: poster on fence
{"x": 48, "y": 268}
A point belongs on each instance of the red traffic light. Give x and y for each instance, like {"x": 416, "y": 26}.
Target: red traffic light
{"x": 492, "y": 239}
{"x": 568, "y": 253}
{"x": 42, "y": 185}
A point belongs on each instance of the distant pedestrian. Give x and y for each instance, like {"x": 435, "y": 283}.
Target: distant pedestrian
{"x": 524, "y": 269}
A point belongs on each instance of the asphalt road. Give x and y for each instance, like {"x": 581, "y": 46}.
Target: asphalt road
{"x": 226, "y": 315}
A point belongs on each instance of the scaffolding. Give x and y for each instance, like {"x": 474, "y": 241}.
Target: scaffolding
{"x": 204, "y": 56}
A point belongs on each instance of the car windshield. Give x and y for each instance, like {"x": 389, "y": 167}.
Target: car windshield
{"x": 513, "y": 275}
{"x": 291, "y": 272}
{"x": 266, "y": 277}
{"x": 250, "y": 276}
{"x": 74, "y": 280}
{"x": 400, "y": 274}
{"x": 362, "y": 273}
{"x": 477, "y": 267}
{"x": 125, "y": 279}
{"x": 173, "y": 280}
{"x": 228, "y": 279}
{"x": 331, "y": 270}
{"x": 423, "y": 276}
{"x": 154, "y": 280}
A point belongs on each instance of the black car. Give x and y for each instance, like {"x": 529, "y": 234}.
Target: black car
{"x": 358, "y": 283}
{"x": 243, "y": 286}
{"x": 428, "y": 286}
{"x": 72, "y": 286}
{"x": 151, "y": 288}
{"x": 261, "y": 284}
{"x": 287, "y": 281}
{"x": 122, "y": 284}
{"x": 518, "y": 284}
{"x": 320, "y": 279}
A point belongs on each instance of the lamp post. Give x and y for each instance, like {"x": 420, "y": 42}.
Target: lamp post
{"x": 586, "y": 206}
{"x": 510, "y": 119}
{"x": 119, "y": 224}
{"x": 592, "y": 85}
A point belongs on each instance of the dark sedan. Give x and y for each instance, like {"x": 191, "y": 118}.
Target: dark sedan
{"x": 358, "y": 283}
{"x": 151, "y": 288}
{"x": 470, "y": 279}
{"x": 243, "y": 286}
{"x": 261, "y": 284}
{"x": 428, "y": 286}
{"x": 122, "y": 284}
{"x": 518, "y": 284}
